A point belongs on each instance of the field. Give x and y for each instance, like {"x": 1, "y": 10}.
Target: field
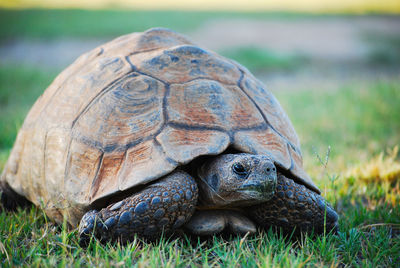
{"x": 349, "y": 129}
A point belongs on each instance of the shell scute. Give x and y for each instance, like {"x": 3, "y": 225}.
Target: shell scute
{"x": 271, "y": 108}
{"x": 183, "y": 145}
{"x": 139, "y": 161}
{"x": 158, "y": 38}
{"x": 129, "y": 111}
{"x": 207, "y": 103}
{"x": 106, "y": 181}
{"x": 185, "y": 63}
{"x": 35, "y": 180}
{"x": 55, "y": 160}
{"x": 265, "y": 142}
{"x": 83, "y": 164}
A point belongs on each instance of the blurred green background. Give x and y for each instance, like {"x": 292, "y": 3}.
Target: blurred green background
{"x": 335, "y": 68}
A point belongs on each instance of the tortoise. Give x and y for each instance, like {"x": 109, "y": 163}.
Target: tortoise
{"x": 150, "y": 133}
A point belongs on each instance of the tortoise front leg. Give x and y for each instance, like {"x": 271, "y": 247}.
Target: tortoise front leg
{"x": 9, "y": 199}
{"x": 160, "y": 207}
{"x": 294, "y": 207}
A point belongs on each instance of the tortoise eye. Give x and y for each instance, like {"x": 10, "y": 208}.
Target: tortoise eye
{"x": 239, "y": 169}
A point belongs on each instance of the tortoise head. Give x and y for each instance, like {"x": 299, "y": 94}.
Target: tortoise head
{"x": 232, "y": 180}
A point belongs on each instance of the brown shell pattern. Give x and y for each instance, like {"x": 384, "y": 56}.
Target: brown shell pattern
{"x": 134, "y": 109}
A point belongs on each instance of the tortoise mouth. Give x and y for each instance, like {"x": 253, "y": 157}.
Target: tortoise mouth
{"x": 262, "y": 190}
{"x": 255, "y": 196}
{"x": 257, "y": 192}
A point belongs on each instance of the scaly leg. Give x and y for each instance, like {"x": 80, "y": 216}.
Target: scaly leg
{"x": 161, "y": 207}
{"x": 295, "y": 207}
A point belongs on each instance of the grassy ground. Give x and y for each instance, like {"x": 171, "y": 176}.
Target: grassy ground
{"x": 359, "y": 121}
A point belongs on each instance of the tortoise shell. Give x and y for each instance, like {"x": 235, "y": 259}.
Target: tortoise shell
{"x": 133, "y": 110}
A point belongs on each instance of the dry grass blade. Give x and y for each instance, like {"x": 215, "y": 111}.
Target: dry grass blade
{"x": 4, "y": 251}
{"x": 393, "y": 225}
{"x": 244, "y": 239}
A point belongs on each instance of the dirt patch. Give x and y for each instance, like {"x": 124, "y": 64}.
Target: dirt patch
{"x": 330, "y": 39}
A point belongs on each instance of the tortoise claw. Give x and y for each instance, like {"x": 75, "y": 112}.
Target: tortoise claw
{"x": 87, "y": 227}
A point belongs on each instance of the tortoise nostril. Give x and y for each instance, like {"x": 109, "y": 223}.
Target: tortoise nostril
{"x": 268, "y": 169}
